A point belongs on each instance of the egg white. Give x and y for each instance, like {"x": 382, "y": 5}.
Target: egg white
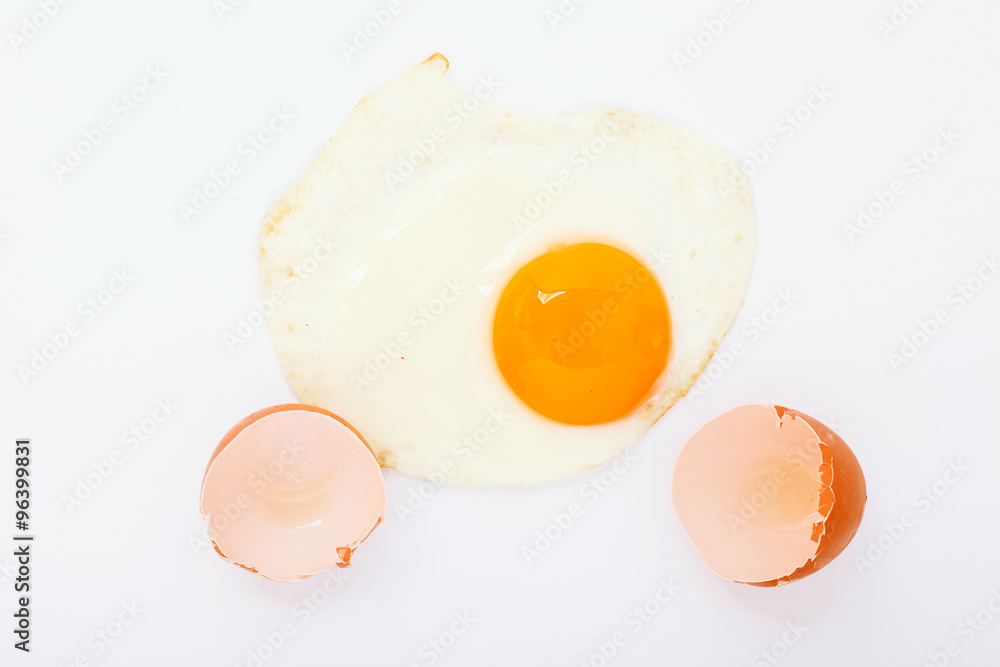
{"x": 392, "y": 329}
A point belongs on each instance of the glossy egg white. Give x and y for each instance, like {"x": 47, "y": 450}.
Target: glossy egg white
{"x": 385, "y": 261}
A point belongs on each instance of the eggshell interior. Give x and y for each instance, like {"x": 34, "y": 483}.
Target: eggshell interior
{"x": 290, "y": 491}
{"x": 768, "y": 495}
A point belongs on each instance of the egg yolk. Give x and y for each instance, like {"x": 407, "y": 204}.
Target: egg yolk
{"x": 582, "y": 333}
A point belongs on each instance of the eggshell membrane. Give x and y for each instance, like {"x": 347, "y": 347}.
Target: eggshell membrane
{"x": 768, "y": 495}
{"x": 290, "y": 491}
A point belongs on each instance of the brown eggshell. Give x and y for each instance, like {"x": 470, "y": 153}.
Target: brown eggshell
{"x": 768, "y": 495}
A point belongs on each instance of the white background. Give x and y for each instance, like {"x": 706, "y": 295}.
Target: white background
{"x": 137, "y": 538}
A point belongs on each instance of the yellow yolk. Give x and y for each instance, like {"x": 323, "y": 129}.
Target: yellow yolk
{"x": 582, "y": 333}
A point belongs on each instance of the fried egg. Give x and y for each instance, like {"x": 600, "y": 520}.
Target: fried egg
{"x": 494, "y": 297}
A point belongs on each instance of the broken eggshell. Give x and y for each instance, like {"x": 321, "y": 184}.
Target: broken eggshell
{"x": 768, "y": 495}
{"x": 291, "y": 490}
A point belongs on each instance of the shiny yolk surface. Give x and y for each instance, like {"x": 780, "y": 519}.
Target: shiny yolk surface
{"x": 582, "y": 333}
